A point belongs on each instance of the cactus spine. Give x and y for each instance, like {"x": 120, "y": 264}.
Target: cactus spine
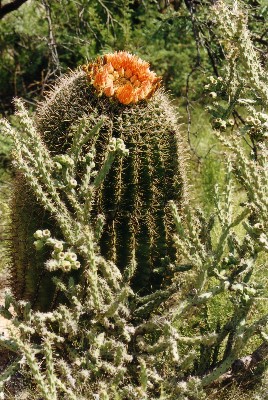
{"x": 135, "y": 193}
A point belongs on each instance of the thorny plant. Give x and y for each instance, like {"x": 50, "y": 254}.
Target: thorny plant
{"x": 108, "y": 341}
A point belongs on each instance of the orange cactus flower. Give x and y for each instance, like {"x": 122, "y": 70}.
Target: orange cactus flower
{"x": 125, "y": 94}
{"x": 122, "y": 76}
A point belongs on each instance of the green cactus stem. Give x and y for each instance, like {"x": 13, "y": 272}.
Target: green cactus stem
{"x": 135, "y": 193}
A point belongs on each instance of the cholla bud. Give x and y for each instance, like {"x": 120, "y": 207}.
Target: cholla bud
{"x": 61, "y": 255}
{"x": 89, "y": 157}
{"x": 46, "y": 233}
{"x": 70, "y": 256}
{"x": 64, "y": 159}
{"x": 112, "y": 145}
{"x": 76, "y": 265}
{"x": 52, "y": 265}
{"x": 258, "y": 227}
{"x": 212, "y": 79}
{"x": 213, "y": 95}
{"x": 220, "y": 123}
{"x": 39, "y": 244}
{"x": 250, "y": 120}
{"x": 58, "y": 246}
{"x": 73, "y": 182}
{"x": 65, "y": 265}
{"x": 38, "y": 234}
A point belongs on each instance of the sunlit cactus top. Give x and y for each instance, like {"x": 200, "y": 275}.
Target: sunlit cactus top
{"x": 123, "y": 76}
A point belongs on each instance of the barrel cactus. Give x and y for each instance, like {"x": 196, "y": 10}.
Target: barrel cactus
{"x": 120, "y": 90}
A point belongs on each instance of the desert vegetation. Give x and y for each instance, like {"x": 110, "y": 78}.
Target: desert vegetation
{"x": 134, "y": 200}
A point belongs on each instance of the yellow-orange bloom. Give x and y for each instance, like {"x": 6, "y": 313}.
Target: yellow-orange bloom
{"x": 125, "y": 94}
{"x": 123, "y": 76}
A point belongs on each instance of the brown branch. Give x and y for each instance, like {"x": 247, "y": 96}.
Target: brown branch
{"x": 9, "y": 7}
{"x": 261, "y": 41}
{"x": 197, "y": 64}
{"x": 54, "y": 58}
{"x": 244, "y": 370}
{"x": 244, "y": 365}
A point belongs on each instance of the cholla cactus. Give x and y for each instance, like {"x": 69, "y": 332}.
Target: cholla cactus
{"x": 243, "y": 86}
{"x": 108, "y": 341}
{"x": 117, "y": 96}
{"x": 95, "y": 333}
{"x": 244, "y": 66}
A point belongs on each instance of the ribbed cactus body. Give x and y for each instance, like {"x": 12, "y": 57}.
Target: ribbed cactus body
{"x": 134, "y": 195}
{"x": 28, "y": 278}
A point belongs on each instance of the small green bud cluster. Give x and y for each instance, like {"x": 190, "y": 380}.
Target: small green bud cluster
{"x": 63, "y": 165}
{"x": 89, "y": 158}
{"x": 41, "y": 238}
{"x": 257, "y": 126}
{"x": 219, "y": 123}
{"x": 258, "y": 233}
{"x": 118, "y": 145}
{"x": 214, "y": 85}
{"x": 217, "y": 89}
{"x": 64, "y": 160}
{"x": 64, "y": 260}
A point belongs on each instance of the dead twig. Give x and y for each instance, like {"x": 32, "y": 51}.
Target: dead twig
{"x": 9, "y": 7}
{"x": 54, "y": 58}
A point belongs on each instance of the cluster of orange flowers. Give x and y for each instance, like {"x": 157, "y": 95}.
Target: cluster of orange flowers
{"x": 123, "y": 76}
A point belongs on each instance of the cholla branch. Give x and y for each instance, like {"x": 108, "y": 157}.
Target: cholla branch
{"x": 233, "y": 24}
{"x": 94, "y": 334}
